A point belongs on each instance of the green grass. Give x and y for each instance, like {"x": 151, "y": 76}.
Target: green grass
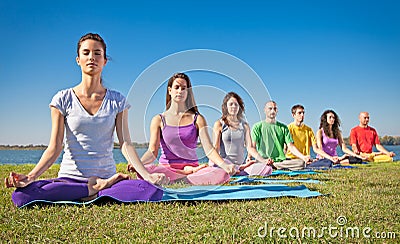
{"x": 369, "y": 197}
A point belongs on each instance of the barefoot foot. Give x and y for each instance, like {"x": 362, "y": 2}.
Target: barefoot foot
{"x": 99, "y": 184}
{"x": 201, "y": 166}
{"x": 190, "y": 169}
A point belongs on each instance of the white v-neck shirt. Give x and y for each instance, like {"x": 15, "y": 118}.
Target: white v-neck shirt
{"x": 89, "y": 139}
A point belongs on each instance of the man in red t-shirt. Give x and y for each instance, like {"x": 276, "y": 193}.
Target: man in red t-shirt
{"x": 364, "y": 137}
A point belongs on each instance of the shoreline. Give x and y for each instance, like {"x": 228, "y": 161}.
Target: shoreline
{"x": 20, "y": 147}
{"x": 43, "y": 147}
{"x": 146, "y": 144}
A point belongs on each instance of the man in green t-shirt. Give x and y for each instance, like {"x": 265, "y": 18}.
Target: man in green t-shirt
{"x": 270, "y": 136}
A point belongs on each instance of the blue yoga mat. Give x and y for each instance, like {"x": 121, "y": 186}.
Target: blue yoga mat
{"x": 294, "y": 173}
{"x": 247, "y": 179}
{"x": 239, "y": 192}
{"x": 339, "y": 166}
{"x": 212, "y": 193}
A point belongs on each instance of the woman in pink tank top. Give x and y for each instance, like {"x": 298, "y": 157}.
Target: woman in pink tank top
{"x": 176, "y": 131}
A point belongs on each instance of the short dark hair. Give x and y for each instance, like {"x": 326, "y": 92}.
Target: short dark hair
{"x": 297, "y": 106}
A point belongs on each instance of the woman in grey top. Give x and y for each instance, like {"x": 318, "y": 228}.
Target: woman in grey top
{"x": 88, "y": 115}
{"x": 232, "y": 136}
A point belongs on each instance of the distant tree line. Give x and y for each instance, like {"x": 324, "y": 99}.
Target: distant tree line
{"x": 385, "y": 140}
{"x": 135, "y": 144}
{"x": 390, "y": 140}
{"x": 43, "y": 147}
{"x": 23, "y": 147}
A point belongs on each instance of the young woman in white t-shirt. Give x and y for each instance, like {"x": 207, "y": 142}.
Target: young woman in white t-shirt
{"x": 87, "y": 114}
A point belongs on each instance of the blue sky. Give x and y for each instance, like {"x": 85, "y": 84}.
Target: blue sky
{"x": 343, "y": 55}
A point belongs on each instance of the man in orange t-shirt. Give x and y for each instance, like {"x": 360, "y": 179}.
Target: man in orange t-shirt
{"x": 364, "y": 137}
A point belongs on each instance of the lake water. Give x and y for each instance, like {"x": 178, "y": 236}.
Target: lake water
{"x": 33, "y": 156}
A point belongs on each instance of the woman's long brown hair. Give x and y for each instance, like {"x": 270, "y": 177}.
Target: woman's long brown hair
{"x": 190, "y": 102}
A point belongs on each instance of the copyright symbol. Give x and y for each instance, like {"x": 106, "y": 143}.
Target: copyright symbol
{"x": 341, "y": 220}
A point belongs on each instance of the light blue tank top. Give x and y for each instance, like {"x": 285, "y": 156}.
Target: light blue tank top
{"x": 232, "y": 143}
{"x": 89, "y": 139}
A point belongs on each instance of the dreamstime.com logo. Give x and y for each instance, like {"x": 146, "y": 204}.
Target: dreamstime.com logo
{"x": 339, "y": 230}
